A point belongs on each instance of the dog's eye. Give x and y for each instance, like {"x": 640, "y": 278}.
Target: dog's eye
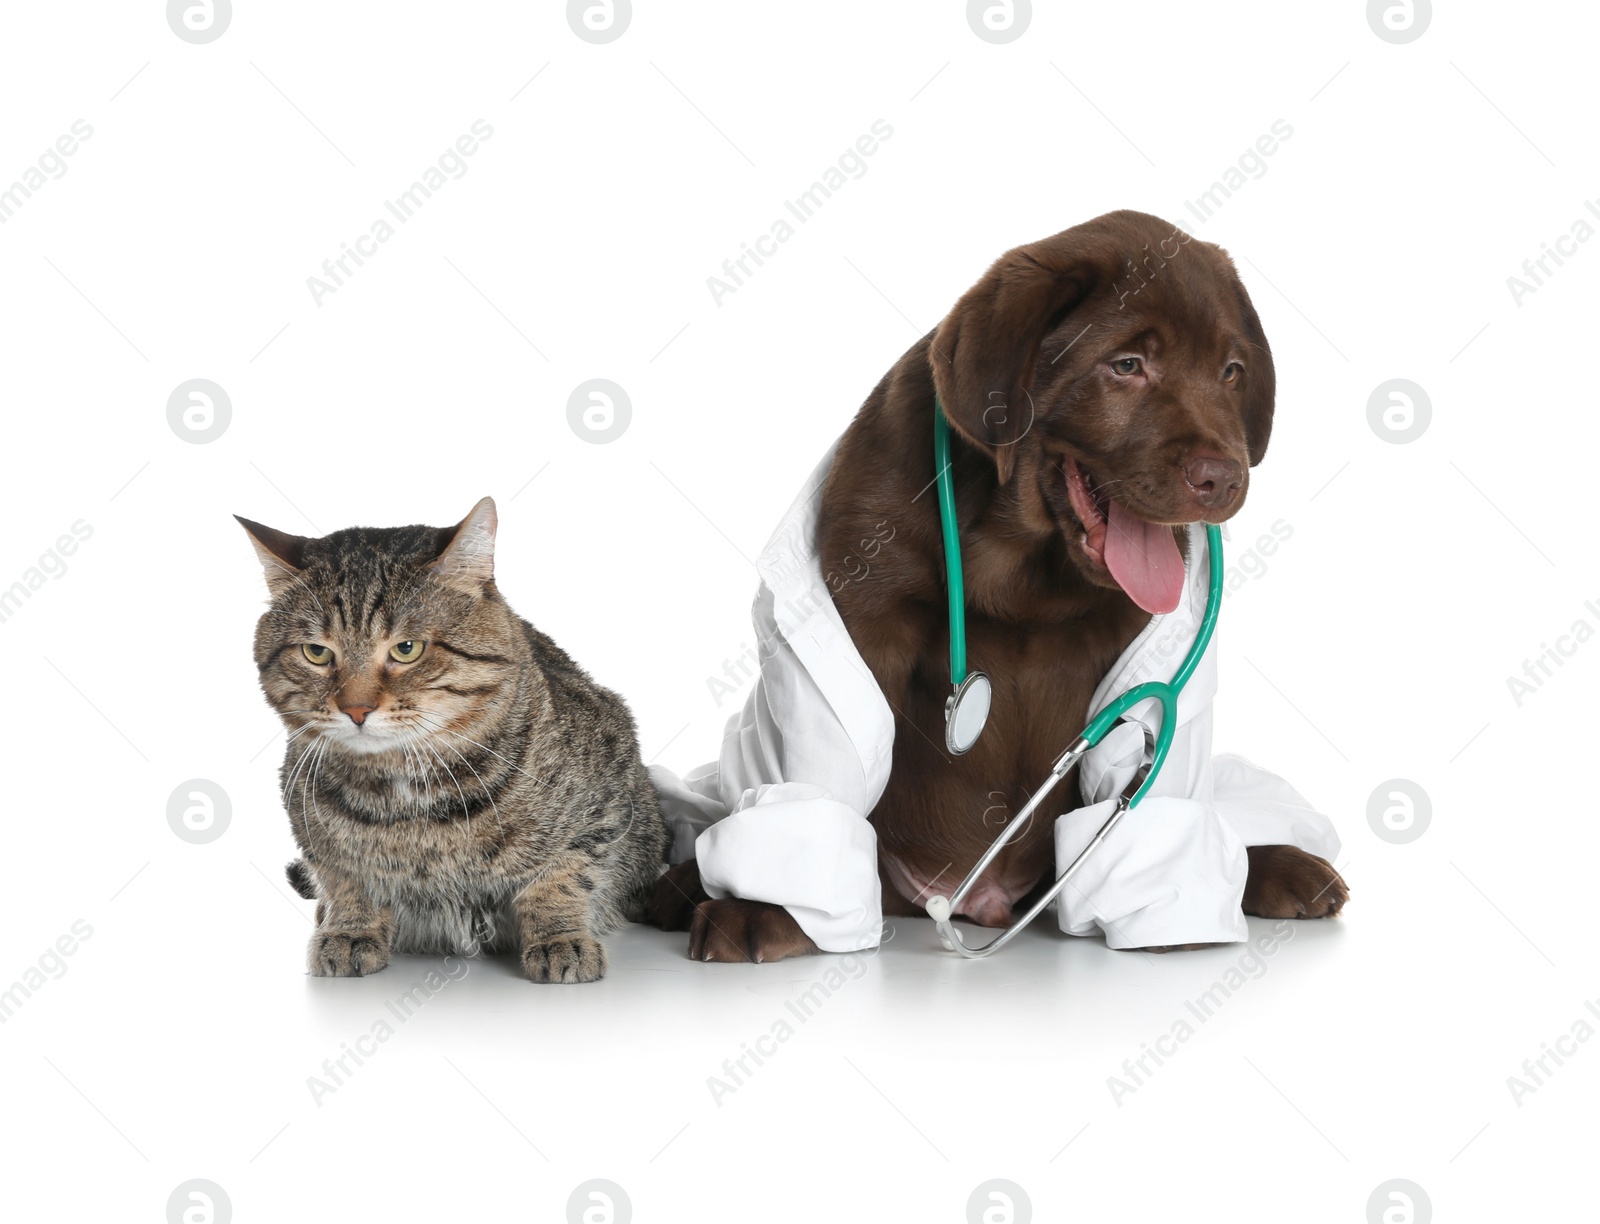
{"x": 1232, "y": 372}
{"x": 1127, "y": 365}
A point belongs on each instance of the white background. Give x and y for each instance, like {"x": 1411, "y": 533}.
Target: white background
{"x": 1376, "y": 644}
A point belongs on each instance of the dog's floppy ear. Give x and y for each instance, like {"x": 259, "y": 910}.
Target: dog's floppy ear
{"x": 1261, "y": 380}
{"x": 985, "y": 351}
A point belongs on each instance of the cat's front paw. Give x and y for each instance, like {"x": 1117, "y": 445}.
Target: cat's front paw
{"x": 347, "y": 953}
{"x": 575, "y": 958}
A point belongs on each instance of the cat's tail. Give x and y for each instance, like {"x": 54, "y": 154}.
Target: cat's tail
{"x": 301, "y": 879}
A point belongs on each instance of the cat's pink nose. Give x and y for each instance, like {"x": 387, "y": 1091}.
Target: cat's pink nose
{"x": 358, "y": 714}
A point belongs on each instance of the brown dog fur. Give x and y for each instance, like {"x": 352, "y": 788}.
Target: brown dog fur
{"x": 1023, "y": 366}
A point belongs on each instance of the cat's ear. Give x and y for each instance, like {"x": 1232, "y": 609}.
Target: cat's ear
{"x": 281, "y": 554}
{"x": 467, "y": 560}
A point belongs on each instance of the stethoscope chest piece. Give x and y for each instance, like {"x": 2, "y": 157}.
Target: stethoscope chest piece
{"x": 966, "y": 711}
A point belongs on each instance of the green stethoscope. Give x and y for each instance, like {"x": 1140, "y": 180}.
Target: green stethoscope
{"x": 967, "y": 709}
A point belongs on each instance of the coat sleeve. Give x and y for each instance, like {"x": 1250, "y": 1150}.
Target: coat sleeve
{"x": 781, "y": 816}
{"x": 1174, "y": 870}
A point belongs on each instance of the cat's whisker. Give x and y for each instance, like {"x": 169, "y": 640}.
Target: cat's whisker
{"x": 409, "y": 767}
{"x": 289, "y": 739}
{"x": 465, "y": 810}
{"x": 425, "y": 772}
{"x": 446, "y": 730}
{"x": 489, "y": 793}
{"x": 319, "y": 747}
{"x": 428, "y": 765}
{"x": 288, "y": 782}
{"x": 316, "y": 774}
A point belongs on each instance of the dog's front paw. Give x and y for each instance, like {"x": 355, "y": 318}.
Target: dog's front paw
{"x": 737, "y": 931}
{"x": 573, "y": 958}
{"x": 1287, "y": 882}
{"x": 676, "y": 893}
{"x": 347, "y": 953}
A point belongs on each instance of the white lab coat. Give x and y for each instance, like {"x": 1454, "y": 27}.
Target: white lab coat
{"x": 781, "y": 816}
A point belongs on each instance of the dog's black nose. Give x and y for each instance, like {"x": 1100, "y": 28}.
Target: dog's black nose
{"x": 1215, "y": 482}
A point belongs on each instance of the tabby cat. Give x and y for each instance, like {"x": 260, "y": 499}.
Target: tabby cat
{"x": 454, "y": 780}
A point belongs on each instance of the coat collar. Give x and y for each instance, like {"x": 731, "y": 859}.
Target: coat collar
{"x": 809, "y": 621}
{"x": 1159, "y": 650}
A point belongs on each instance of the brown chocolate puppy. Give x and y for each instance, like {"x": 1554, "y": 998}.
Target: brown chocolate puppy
{"x": 1105, "y": 387}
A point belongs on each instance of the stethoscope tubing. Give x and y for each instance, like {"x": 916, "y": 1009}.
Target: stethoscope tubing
{"x": 951, "y": 529}
{"x": 942, "y": 909}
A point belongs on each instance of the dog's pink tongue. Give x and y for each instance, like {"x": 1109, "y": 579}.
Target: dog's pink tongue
{"x": 1144, "y": 559}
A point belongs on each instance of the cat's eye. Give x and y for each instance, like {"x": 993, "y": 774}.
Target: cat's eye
{"x": 320, "y": 655}
{"x": 407, "y": 652}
